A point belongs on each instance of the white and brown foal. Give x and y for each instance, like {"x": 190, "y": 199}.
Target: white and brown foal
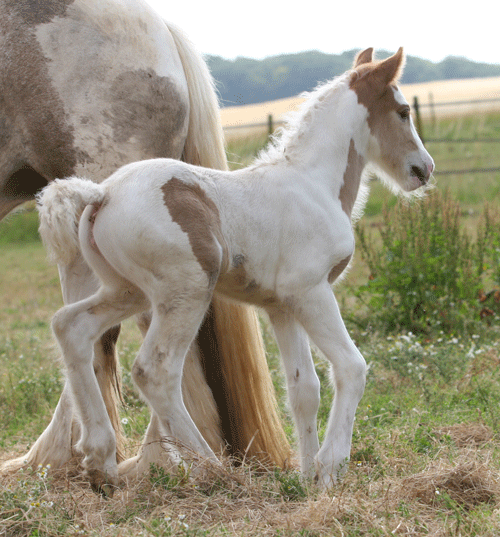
{"x": 165, "y": 235}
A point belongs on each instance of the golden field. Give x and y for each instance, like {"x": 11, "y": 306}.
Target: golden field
{"x": 441, "y": 92}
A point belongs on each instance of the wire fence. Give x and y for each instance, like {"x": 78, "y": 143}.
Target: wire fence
{"x": 431, "y": 108}
{"x": 474, "y": 106}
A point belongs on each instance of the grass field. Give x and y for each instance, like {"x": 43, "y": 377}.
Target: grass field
{"x": 425, "y": 455}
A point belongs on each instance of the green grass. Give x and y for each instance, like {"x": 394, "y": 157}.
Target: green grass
{"x": 469, "y": 189}
{"x": 21, "y": 227}
{"x": 425, "y": 445}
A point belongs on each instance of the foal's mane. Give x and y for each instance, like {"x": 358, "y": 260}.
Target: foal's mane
{"x": 287, "y": 139}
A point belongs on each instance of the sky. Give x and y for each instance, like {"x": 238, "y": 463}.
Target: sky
{"x": 430, "y": 29}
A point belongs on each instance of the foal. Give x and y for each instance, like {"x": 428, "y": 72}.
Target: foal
{"x": 165, "y": 235}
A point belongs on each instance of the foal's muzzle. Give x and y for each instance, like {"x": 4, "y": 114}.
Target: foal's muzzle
{"x": 423, "y": 175}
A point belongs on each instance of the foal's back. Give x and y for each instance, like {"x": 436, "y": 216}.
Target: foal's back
{"x": 159, "y": 226}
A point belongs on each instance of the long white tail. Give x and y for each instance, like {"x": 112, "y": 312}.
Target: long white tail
{"x": 60, "y": 205}
{"x": 205, "y": 140}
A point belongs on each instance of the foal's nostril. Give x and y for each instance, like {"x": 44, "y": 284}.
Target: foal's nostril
{"x": 420, "y": 173}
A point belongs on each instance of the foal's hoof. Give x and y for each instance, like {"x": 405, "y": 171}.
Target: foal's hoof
{"x": 106, "y": 490}
{"x": 102, "y": 483}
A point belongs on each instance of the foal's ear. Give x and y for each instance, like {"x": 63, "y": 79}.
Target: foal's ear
{"x": 366, "y": 56}
{"x": 391, "y": 69}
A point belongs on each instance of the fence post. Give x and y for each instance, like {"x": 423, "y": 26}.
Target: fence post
{"x": 433, "y": 112}
{"x": 270, "y": 126}
{"x": 418, "y": 119}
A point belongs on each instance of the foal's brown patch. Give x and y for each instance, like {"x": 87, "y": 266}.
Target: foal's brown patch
{"x": 198, "y": 216}
{"x": 352, "y": 178}
{"x": 338, "y": 269}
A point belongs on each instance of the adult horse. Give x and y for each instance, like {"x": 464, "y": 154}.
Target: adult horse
{"x": 87, "y": 86}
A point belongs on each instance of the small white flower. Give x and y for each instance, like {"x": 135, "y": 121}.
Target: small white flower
{"x": 124, "y": 421}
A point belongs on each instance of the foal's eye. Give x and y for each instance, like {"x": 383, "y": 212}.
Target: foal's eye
{"x": 404, "y": 113}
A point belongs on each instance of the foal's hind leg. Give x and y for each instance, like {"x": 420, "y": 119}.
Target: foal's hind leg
{"x": 77, "y": 327}
{"x": 200, "y": 404}
{"x": 55, "y": 446}
{"x": 158, "y": 368}
{"x": 319, "y": 314}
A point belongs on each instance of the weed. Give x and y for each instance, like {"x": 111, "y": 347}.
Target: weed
{"x": 161, "y": 478}
{"x": 291, "y": 485}
{"x": 427, "y": 274}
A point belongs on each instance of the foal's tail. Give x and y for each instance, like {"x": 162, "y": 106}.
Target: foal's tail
{"x": 60, "y": 205}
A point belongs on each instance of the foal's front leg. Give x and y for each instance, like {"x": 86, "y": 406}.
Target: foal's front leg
{"x": 303, "y": 385}
{"x": 319, "y": 314}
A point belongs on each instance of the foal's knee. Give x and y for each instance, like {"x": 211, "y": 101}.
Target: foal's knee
{"x": 352, "y": 375}
{"x": 304, "y": 392}
{"x": 73, "y": 336}
{"x": 139, "y": 375}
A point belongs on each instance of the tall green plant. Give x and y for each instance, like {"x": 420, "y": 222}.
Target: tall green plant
{"x": 426, "y": 272}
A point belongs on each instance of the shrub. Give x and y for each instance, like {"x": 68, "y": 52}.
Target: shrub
{"x": 426, "y": 272}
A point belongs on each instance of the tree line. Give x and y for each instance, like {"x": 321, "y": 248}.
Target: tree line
{"x": 246, "y": 81}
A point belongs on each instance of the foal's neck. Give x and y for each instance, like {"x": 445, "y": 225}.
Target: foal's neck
{"x": 329, "y": 141}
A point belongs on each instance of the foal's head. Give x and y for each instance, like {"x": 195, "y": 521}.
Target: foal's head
{"x": 394, "y": 145}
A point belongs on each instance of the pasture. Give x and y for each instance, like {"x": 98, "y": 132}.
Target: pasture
{"x": 425, "y": 451}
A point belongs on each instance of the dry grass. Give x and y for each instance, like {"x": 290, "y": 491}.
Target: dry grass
{"x": 467, "y": 434}
{"x": 468, "y": 481}
{"x": 243, "y": 501}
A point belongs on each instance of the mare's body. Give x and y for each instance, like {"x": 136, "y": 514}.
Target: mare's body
{"x": 85, "y": 87}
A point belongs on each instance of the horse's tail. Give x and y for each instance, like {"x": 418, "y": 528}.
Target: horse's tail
{"x": 204, "y": 145}
{"x": 60, "y": 205}
{"x": 230, "y": 340}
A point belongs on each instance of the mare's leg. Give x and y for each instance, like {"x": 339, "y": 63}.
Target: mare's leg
{"x": 302, "y": 382}
{"x": 159, "y": 365}
{"x": 319, "y": 314}
{"x": 77, "y": 327}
